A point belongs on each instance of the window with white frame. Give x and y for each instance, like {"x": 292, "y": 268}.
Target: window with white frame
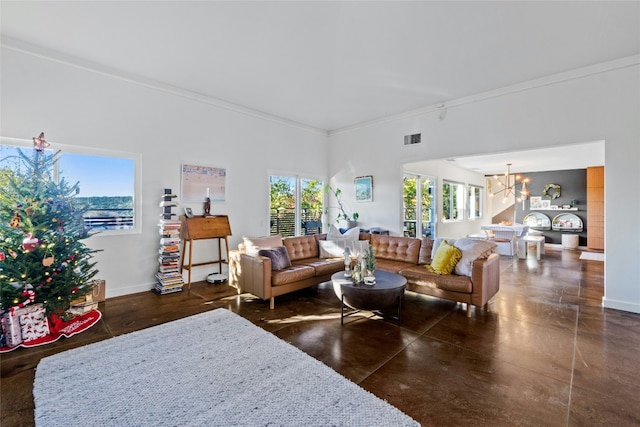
{"x": 452, "y": 201}
{"x": 108, "y": 183}
{"x": 295, "y": 205}
{"x": 474, "y": 201}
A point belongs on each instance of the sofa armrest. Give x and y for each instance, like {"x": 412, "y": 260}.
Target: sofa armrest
{"x": 485, "y": 279}
{"x": 253, "y": 275}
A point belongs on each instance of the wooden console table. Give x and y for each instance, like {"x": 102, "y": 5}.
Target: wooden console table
{"x": 201, "y": 228}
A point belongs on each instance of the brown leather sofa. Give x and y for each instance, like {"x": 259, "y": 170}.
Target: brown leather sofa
{"x": 403, "y": 255}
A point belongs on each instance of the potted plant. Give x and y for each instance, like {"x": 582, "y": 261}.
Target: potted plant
{"x": 351, "y": 219}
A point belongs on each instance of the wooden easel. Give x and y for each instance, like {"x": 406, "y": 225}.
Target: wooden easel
{"x": 200, "y": 228}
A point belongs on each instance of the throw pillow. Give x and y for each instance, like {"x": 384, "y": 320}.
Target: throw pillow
{"x": 279, "y": 257}
{"x": 253, "y": 244}
{"x": 437, "y": 242}
{"x": 425, "y": 251}
{"x": 335, "y": 248}
{"x": 445, "y": 259}
{"x": 350, "y": 234}
{"x": 472, "y": 249}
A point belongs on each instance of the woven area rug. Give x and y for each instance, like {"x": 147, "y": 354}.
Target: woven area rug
{"x": 592, "y": 256}
{"x": 211, "y": 369}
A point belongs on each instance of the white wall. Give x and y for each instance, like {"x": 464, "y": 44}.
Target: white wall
{"x": 74, "y": 106}
{"x": 603, "y": 105}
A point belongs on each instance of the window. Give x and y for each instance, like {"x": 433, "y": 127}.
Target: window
{"x": 474, "y": 202}
{"x": 452, "y": 201}
{"x": 107, "y": 181}
{"x": 418, "y": 192}
{"x": 295, "y": 205}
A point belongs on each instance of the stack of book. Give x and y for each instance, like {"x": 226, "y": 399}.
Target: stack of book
{"x": 169, "y": 275}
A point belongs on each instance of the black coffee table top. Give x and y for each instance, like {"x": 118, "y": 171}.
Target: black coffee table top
{"x": 384, "y": 281}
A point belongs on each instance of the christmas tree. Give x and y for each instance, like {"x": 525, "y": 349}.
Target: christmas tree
{"x": 42, "y": 256}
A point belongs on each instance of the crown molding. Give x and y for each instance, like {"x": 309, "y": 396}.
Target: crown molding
{"x": 553, "y": 79}
{"x": 104, "y": 70}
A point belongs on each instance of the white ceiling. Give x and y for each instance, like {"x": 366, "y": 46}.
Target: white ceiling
{"x": 331, "y": 65}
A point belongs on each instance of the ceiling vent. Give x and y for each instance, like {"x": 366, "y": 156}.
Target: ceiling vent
{"x": 412, "y": 139}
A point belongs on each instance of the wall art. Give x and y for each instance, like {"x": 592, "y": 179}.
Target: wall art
{"x": 364, "y": 188}
{"x": 200, "y": 182}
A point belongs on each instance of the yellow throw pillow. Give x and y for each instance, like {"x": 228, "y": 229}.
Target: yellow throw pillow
{"x": 445, "y": 260}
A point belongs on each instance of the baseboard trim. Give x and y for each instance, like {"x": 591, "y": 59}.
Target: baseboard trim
{"x": 620, "y": 305}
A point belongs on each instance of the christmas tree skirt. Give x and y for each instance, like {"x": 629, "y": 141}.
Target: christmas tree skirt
{"x": 57, "y": 328}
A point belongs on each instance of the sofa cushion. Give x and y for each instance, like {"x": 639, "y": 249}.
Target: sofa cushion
{"x": 335, "y": 248}
{"x": 253, "y": 244}
{"x": 394, "y": 248}
{"x": 392, "y": 266}
{"x": 472, "y": 249}
{"x": 445, "y": 260}
{"x": 279, "y": 257}
{"x": 322, "y": 266}
{"x": 291, "y": 274}
{"x": 301, "y": 247}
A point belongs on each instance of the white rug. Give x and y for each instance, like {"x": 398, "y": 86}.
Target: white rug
{"x": 592, "y": 256}
{"x": 211, "y": 369}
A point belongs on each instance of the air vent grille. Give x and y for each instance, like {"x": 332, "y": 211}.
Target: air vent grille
{"x": 412, "y": 139}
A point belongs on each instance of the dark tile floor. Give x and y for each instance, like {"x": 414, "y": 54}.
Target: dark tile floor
{"x": 545, "y": 353}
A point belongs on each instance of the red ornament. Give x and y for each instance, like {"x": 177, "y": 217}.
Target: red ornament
{"x": 30, "y": 243}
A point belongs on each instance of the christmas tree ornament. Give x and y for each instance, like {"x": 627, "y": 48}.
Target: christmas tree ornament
{"x": 47, "y": 261}
{"x": 30, "y": 243}
{"x": 15, "y": 221}
{"x": 39, "y": 143}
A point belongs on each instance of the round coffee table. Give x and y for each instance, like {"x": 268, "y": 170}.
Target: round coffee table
{"x": 386, "y": 292}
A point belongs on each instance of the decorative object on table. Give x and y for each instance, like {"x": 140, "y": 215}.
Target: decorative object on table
{"x": 288, "y": 387}
{"x": 199, "y": 181}
{"x": 508, "y": 186}
{"x": 351, "y": 219}
{"x": 207, "y": 207}
{"x": 551, "y": 191}
{"x": 188, "y": 212}
{"x": 52, "y": 260}
{"x": 169, "y": 276}
{"x": 364, "y": 188}
{"x": 347, "y": 262}
{"x": 369, "y": 259}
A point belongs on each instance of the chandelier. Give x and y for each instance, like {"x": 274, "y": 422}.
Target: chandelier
{"x": 508, "y": 186}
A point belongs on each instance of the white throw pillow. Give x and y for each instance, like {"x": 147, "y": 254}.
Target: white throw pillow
{"x": 335, "y": 248}
{"x": 253, "y": 245}
{"x": 472, "y": 249}
{"x": 350, "y": 234}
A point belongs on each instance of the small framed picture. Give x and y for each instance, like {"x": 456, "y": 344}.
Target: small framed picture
{"x": 534, "y": 202}
{"x": 545, "y": 204}
{"x": 364, "y": 188}
{"x": 188, "y": 212}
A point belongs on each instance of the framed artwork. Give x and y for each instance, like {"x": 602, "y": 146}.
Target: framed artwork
{"x": 534, "y": 202}
{"x": 364, "y": 188}
{"x": 200, "y": 182}
{"x": 545, "y": 204}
